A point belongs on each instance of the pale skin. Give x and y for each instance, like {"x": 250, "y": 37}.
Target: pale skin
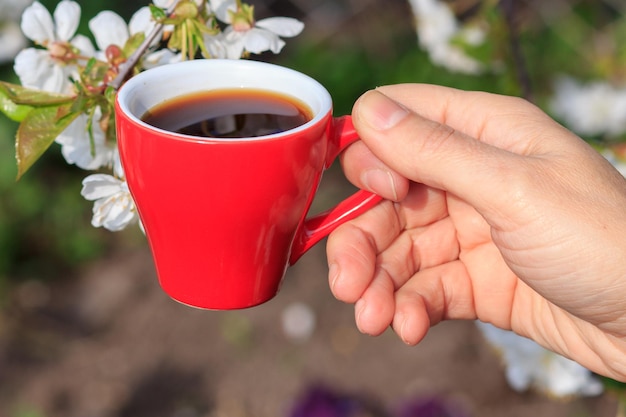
{"x": 493, "y": 212}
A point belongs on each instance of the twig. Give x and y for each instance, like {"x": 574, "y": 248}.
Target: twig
{"x": 126, "y": 67}
{"x": 508, "y": 7}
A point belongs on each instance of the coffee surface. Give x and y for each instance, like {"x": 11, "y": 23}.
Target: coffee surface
{"x": 233, "y": 113}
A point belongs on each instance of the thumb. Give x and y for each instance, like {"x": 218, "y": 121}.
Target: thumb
{"x": 436, "y": 154}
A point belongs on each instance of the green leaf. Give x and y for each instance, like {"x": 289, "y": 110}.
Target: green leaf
{"x": 157, "y": 13}
{"x": 31, "y": 97}
{"x": 38, "y": 131}
{"x": 15, "y": 112}
{"x": 176, "y": 38}
{"x": 133, "y": 43}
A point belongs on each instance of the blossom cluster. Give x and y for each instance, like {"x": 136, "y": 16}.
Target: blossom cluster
{"x": 591, "y": 109}
{"x": 446, "y": 39}
{"x": 65, "y": 71}
{"x": 594, "y": 109}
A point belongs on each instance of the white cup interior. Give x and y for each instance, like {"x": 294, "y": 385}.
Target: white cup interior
{"x": 154, "y": 86}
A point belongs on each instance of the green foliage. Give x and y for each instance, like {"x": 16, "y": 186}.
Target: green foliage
{"x": 8, "y": 106}
{"x": 38, "y": 131}
{"x": 347, "y": 70}
{"x": 44, "y": 221}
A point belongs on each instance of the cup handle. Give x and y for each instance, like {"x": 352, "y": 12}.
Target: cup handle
{"x": 317, "y": 227}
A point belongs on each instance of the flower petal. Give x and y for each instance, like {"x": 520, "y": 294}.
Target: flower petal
{"x": 109, "y": 29}
{"x": 37, "y": 70}
{"x": 114, "y": 212}
{"x": 161, "y": 57}
{"x": 121, "y": 213}
{"x": 97, "y": 186}
{"x": 100, "y": 211}
{"x": 233, "y": 43}
{"x": 118, "y": 169}
{"x": 30, "y": 66}
{"x": 76, "y": 145}
{"x": 84, "y": 45}
{"x": 58, "y": 79}
{"x": 215, "y": 45}
{"x": 282, "y": 26}
{"x": 66, "y": 18}
{"x": 11, "y": 41}
{"x": 221, "y": 8}
{"x": 142, "y": 21}
{"x": 261, "y": 40}
{"x": 37, "y": 24}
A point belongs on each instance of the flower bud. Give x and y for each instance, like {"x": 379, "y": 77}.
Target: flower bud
{"x": 186, "y": 10}
{"x": 113, "y": 53}
{"x": 240, "y": 24}
{"x": 243, "y": 19}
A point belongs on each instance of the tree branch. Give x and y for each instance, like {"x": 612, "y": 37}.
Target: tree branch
{"x": 126, "y": 67}
{"x": 523, "y": 76}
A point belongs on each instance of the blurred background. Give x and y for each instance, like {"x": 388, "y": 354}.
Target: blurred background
{"x": 85, "y": 331}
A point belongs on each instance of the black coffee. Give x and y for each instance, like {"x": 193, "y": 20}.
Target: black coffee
{"x": 232, "y": 113}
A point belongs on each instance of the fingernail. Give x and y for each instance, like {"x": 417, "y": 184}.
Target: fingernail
{"x": 402, "y": 324}
{"x": 379, "y": 111}
{"x": 379, "y": 180}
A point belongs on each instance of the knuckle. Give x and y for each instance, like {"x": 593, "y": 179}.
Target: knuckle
{"x": 435, "y": 136}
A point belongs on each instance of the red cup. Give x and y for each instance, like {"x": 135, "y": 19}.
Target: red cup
{"x": 225, "y": 218}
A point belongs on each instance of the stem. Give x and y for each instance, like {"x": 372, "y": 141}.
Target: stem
{"x": 185, "y": 46}
{"x": 129, "y": 64}
{"x": 508, "y": 6}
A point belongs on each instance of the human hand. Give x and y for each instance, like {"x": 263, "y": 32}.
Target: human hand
{"x": 495, "y": 212}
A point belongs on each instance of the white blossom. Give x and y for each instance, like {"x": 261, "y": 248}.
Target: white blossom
{"x": 77, "y": 147}
{"x": 12, "y": 40}
{"x": 528, "y": 365}
{"x": 54, "y": 62}
{"x": 114, "y": 208}
{"x": 437, "y": 26}
{"x": 454, "y": 59}
{"x": 109, "y": 28}
{"x": 263, "y": 35}
{"x": 48, "y": 69}
{"x": 161, "y": 57}
{"x": 12, "y": 9}
{"x": 590, "y": 109}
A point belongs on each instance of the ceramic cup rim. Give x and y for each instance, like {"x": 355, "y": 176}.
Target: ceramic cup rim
{"x": 155, "y": 85}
